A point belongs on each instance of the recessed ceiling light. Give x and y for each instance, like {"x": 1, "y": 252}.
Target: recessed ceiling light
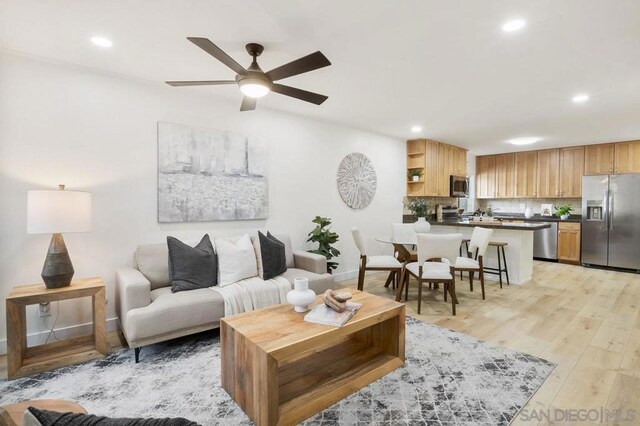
{"x": 101, "y": 41}
{"x": 524, "y": 141}
{"x": 416, "y": 129}
{"x": 580, "y": 98}
{"x": 513, "y": 25}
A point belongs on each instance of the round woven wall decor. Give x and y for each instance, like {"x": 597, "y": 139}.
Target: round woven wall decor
{"x": 357, "y": 180}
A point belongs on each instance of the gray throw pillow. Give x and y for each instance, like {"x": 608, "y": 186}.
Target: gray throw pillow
{"x": 272, "y": 253}
{"x": 191, "y": 268}
{"x": 52, "y": 418}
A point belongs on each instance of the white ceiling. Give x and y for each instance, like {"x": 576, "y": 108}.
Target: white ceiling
{"x": 445, "y": 65}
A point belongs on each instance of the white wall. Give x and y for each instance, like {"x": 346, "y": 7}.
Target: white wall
{"x": 97, "y": 132}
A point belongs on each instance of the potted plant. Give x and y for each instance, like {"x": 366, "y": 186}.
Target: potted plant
{"x": 563, "y": 212}
{"x": 420, "y": 209}
{"x": 323, "y": 235}
{"x": 414, "y": 175}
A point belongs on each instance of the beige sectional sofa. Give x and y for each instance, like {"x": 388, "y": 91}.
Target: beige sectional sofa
{"x": 149, "y": 312}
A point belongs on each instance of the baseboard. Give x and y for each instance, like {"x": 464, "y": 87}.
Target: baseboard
{"x": 62, "y": 333}
{"x": 344, "y": 276}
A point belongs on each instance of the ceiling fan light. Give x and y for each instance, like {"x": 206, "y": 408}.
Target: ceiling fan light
{"x": 254, "y": 89}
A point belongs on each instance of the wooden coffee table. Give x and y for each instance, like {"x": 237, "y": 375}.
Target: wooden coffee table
{"x": 281, "y": 369}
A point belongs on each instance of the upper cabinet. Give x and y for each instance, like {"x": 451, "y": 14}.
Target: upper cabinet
{"x": 627, "y": 157}
{"x": 526, "y": 165}
{"x": 548, "y": 179}
{"x": 486, "y": 176}
{"x": 598, "y": 159}
{"x": 437, "y": 162}
{"x": 459, "y": 161}
{"x": 505, "y": 175}
{"x": 571, "y": 171}
{"x": 552, "y": 173}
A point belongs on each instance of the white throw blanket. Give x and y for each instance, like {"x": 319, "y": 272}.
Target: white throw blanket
{"x": 253, "y": 293}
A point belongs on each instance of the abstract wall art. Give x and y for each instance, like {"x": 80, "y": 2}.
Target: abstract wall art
{"x": 357, "y": 180}
{"x": 210, "y": 175}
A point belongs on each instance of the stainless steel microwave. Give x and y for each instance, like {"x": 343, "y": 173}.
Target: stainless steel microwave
{"x": 459, "y": 186}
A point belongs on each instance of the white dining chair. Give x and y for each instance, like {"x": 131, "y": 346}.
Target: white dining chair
{"x": 403, "y": 232}
{"x": 475, "y": 255}
{"x": 436, "y": 255}
{"x": 375, "y": 263}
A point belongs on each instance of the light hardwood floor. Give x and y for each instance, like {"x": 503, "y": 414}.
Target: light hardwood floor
{"x": 586, "y": 321}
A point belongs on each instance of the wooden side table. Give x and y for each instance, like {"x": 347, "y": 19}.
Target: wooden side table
{"x": 23, "y": 360}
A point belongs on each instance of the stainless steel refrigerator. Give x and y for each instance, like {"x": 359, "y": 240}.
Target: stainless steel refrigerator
{"x": 611, "y": 221}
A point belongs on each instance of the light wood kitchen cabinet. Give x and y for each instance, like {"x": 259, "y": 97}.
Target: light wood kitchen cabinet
{"x": 505, "y": 175}
{"x": 548, "y": 182}
{"x": 526, "y": 174}
{"x": 598, "y": 159}
{"x": 486, "y": 176}
{"x": 571, "y": 170}
{"x": 569, "y": 242}
{"x": 459, "y": 161}
{"x": 432, "y": 168}
{"x": 437, "y": 162}
{"x": 446, "y": 163}
{"x": 627, "y": 157}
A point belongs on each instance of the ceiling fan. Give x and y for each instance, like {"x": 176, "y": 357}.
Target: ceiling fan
{"x": 255, "y": 83}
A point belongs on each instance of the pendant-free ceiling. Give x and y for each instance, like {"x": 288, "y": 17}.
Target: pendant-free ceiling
{"x": 255, "y": 83}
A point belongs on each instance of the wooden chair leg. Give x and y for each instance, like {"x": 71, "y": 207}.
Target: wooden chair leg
{"x": 446, "y": 287}
{"x": 471, "y": 280}
{"x": 389, "y": 279}
{"x": 406, "y": 288}
{"x": 419, "y": 295}
{"x": 481, "y": 273}
{"x": 452, "y": 290}
{"x": 361, "y": 279}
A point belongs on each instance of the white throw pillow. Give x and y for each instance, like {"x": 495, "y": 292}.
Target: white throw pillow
{"x": 236, "y": 259}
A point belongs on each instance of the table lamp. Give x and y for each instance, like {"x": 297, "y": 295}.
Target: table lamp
{"x": 54, "y": 212}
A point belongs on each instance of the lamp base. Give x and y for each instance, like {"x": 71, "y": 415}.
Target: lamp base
{"x": 57, "y": 270}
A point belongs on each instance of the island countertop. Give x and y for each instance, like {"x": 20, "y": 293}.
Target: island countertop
{"x": 516, "y": 226}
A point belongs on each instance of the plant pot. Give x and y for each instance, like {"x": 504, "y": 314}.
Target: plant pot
{"x": 565, "y": 216}
{"x": 415, "y": 178}
{"x": 422, "y": 226}
{"x": 301, "y": 296}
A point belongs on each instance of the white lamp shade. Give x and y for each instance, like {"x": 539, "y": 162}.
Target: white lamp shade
{"x": 58, "y": 211}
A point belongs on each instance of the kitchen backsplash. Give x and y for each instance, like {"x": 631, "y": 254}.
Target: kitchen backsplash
{"x": 519, "y": 205}
{"x": 447, "y": 201}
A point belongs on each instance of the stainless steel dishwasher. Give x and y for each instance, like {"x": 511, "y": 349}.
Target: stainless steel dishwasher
{"x": 545, "y": 242}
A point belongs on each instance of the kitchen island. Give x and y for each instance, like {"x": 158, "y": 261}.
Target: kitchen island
{"x": 518, "y": 236}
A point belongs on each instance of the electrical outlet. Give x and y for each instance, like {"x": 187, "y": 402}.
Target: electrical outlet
{"x": 44, "y": 309}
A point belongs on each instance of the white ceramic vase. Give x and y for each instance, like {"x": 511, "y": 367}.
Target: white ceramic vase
{"x": 422, "y": 226}
{"x": 415, "y": 178}
{"x": 564, "y": 216}
{"x": 528, "y": 213}
{"x": 301, "y": 296}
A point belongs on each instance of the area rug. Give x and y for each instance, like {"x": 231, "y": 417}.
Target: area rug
{"x": 448, "y": 379}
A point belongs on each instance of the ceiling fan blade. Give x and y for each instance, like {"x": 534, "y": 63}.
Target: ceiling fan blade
{"x": 200, "y": 83}
{"x": 307, "y": 63}
{"x": 213, "y": 50}
{"x": 248, "y": 104}
{"x": 303, "y": 95}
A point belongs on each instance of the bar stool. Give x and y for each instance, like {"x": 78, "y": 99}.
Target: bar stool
{"x": 502, "y": 259}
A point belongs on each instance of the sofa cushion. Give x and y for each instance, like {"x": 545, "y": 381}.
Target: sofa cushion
{"x": 169, "y": 312}
{"x": 236, "y": 259}
{"x": 191, "y": 268}
{"x": 317, "y": 282}
{"x": 52, "y": 418}
{"x": 270, "y": 256}
{"x": 153, "y": 261}
{"x": 288, "y": 249}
